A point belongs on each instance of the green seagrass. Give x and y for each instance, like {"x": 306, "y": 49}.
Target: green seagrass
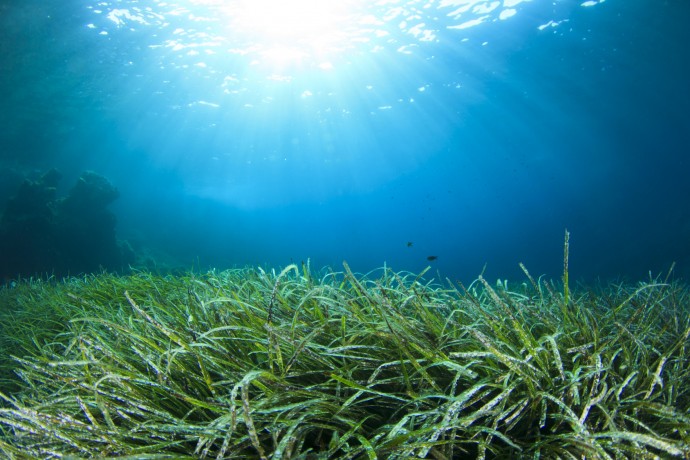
{"x": 252, "y": 364}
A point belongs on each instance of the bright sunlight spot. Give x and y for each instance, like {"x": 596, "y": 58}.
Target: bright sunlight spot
{"x": 293, "y": 30}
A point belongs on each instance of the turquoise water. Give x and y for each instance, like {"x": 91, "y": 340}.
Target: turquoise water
{"x": 244, "y": 133}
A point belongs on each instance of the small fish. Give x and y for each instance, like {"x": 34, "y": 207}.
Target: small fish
{"x": 409, "y": 244}
{"x": 431, "y": 258}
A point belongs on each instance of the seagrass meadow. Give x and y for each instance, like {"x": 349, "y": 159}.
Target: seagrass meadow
{"x": 299, "y": 364}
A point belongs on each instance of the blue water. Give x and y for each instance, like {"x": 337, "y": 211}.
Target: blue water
{"x": 473, "y": 131}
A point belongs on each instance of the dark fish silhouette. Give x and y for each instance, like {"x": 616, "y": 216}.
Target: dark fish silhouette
{"x": 431, "y": 258}
{"x": 409, "y": 244}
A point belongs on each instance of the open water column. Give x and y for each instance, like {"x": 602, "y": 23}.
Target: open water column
{"x": 463, "y": 133}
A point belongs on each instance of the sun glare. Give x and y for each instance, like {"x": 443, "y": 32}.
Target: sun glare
{"x": 300, "y": 28}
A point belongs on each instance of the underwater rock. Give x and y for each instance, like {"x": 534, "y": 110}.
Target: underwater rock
{"x": 40, "y": 233}
{"x": 91, "y": 192}
{"x": 85, "y": 228}
{"x": 33, "y": 199}
{"x": 27, "y": 237}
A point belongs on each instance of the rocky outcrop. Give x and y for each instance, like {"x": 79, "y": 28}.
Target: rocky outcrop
{"x": 42, "y": 234}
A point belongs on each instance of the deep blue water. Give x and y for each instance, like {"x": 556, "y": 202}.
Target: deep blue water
{"x": 478, "y": 144}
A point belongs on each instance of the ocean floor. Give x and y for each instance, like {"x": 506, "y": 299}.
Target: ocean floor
{"x": 303, "y": 364}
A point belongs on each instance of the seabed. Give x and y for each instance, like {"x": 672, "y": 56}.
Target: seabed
{"x": 261, "y": 364}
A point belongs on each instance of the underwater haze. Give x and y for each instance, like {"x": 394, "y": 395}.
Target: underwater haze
{"x": 463, "y": 134}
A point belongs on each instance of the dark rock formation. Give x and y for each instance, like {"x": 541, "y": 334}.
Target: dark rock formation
{"x": 42, "y": 234}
